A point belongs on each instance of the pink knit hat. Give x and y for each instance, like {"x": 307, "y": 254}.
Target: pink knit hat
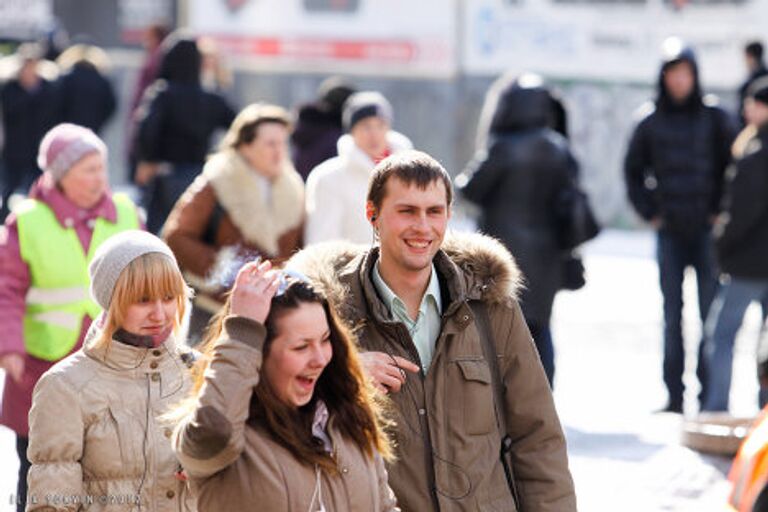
{"x": 64, "y": 145}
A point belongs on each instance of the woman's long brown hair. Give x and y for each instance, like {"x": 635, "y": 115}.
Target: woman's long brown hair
{"x": 355, "y": 408}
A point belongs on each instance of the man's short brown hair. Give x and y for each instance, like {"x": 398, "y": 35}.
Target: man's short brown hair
{"x": 410, "y": 167}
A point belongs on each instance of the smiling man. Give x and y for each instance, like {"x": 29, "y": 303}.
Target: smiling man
{"x": 423, "y": 304}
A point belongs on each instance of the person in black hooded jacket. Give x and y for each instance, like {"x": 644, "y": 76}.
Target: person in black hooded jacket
{"x": 674, "y": 171}
{"x": 741, "y": 240}
{"x": 755, "y": 63}
{"x": 318, "y": 126}
{"x": 176, "y": 121}
{"x": 517, "y": 180}
{"x": 87, "y": 96}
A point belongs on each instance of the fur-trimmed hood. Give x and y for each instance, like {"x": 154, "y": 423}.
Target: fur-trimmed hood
{"x": 476, "y": 266}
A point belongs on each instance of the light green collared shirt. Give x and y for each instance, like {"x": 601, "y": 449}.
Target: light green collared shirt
{"x": 426, "y": 328}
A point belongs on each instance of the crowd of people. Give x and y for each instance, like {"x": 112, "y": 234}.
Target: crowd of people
{"x": 286, "y": 319}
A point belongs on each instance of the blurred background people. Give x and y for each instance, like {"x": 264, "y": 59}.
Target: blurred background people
{"x": 283, "y": 416}
{"x": 152, "y": 40}
{"x": 45, "y": 249}
{"x": 517, "y": 181}
{"x": 741, "y": 238}
{"x": 336, "y": 212}
{"x": 248, "y": 202}
{"x": 674, "y": 168}
{"x": 754, "y": 61}
{"x": 87, "y": 96}
{"x": 319, "y": 126}
{"x": 30, "y": 107}
{"x": 107, "y": 441}
{"x": 177, "y": 120}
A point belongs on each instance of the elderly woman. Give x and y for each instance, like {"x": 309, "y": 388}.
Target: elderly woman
{"x": 283, "y": 417}
{"x": 248, "y": 201}
{"x": 45, "y": 248}
{"x": 107, "y": 448}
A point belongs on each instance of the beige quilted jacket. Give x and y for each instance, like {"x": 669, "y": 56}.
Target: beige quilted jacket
{"x": 95, "y": 441}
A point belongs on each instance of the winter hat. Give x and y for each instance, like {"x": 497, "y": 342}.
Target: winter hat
{"x": 114, "y": 255}
{"x": 759, "y": 90}
{"x": 366, "y": 104}
{"x": 333, "y": 93}
{"x": 64, "y": 145}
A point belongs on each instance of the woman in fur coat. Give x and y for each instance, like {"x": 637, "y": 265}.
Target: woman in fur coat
{"x": 247, "y": 202}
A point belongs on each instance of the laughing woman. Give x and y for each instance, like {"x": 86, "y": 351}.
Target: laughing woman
{"x": 96, "y": 442}
{"x": 282, "y": 418}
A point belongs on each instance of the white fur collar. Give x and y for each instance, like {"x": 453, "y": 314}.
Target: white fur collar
{"x": 238, "y": 189}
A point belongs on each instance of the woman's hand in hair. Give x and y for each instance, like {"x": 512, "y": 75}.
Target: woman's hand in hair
{"x": 255, "y": 285}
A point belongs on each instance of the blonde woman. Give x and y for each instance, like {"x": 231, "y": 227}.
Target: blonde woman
{"x": 95, "y": 439}
{"x": 283, "y": 418}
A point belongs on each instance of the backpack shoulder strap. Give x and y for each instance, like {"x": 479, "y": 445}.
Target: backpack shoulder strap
{"x": 483, "y": 323}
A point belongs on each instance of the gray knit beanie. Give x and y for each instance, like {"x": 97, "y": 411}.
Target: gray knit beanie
{"x": 366, "y": 104}
{"x": 115, "y": 254}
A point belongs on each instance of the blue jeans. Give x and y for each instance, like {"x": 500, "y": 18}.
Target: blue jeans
{"x": 674, "y": 253}
{"x": 723, "y": 323}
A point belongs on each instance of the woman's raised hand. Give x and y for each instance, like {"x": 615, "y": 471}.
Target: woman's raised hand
{"x": 255, "y": 285}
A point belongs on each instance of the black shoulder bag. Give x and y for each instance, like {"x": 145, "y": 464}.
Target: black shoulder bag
{"x": 486, "y": 341}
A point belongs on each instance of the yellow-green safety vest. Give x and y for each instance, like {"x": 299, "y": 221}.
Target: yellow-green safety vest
{"x": 58, "y": 297}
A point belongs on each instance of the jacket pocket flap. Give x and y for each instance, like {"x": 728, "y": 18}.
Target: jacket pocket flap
{"x": 476, "y": 370}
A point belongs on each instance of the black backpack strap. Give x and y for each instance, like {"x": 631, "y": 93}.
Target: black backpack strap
{"x": 483, "y": 323}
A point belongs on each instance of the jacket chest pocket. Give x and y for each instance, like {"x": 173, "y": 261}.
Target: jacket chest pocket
{"x": 471, "y": 379}
{"x": 112, "y": 446}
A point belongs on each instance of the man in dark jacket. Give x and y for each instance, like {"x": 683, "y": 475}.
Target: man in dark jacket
{"x": 741, "y": 237}
{"x": 427, "y": 306}
{"x": 176, "y": 123}
{"x": 87, "y": 97}
{"x": 319, "y": 126}
{"x": 674, "y": 171}
{"x": 29, "y": 106}
{"x": 753, "y": 58}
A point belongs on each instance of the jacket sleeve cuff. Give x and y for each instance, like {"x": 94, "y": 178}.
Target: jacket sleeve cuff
{"x": 245, "y": 330}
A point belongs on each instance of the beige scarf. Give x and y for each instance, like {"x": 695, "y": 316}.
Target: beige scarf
{"x": 238, "y": 189}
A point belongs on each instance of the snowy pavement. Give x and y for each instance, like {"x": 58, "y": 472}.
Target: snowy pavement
{"x": 608, "y": 383}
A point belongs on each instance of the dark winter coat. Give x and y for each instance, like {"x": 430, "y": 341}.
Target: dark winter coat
{"x": 741, "y": 234}
{"x": 27, "y": 115}
{"x": 87, "y": 97}
{"x": 178, "y": 117}
{"x": 677, "y": 157}
{"x": 517, "y": 182}
{"x": 314, "y": 138}
{"x": 759, "y": 72}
